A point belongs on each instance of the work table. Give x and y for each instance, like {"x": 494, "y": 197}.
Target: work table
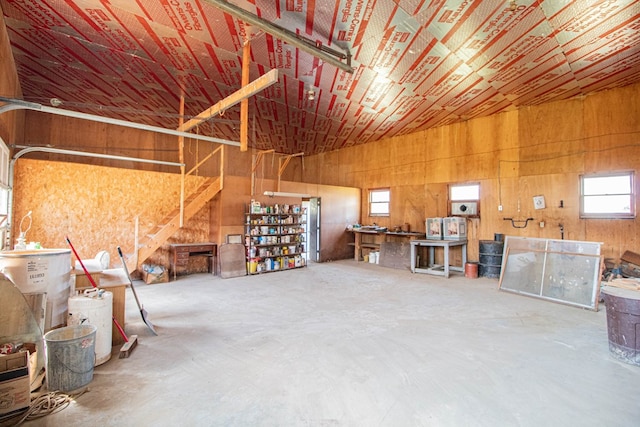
{"x": 375, "y": 237}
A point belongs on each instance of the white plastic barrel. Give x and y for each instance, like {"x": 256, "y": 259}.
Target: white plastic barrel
{"x": 44, "y": 272}
{"x": 94, "y": 307}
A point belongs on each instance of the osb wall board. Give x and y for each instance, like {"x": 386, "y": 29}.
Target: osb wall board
{"x": 96, "y": 206}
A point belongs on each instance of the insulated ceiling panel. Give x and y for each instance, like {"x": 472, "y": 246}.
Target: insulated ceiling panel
{"x": 416, "y": 63}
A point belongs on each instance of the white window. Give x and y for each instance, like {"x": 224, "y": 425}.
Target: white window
{"x": 464, "y": 192}
{"x": 379, "y": 199}
{"x": 608, "y": 195}
{"x": 464, "y": 199}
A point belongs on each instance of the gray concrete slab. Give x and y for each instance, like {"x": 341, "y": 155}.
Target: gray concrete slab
{"x": 356, "y": 344}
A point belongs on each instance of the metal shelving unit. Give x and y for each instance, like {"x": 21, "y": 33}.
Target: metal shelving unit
{"x": 275, "y": 238}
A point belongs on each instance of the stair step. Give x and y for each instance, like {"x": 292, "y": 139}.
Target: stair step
{"x": 158, "y": 234}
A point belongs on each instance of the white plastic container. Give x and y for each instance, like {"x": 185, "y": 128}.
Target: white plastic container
{"x": 373, "y": 257}
{"x": 42, "y": 271}
{"x": 454, "y": 228}
{"x": 94, "y": 307}
{"x": 434, "y": 228}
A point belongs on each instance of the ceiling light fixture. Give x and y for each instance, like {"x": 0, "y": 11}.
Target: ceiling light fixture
{"x": 312, "y": 47}
{"x": 285, "y": 194}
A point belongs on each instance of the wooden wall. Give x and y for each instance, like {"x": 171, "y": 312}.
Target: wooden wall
{"x": 538, "y": 150}
{"x": 340, "y": 208}
{"x": 11, "y": 123}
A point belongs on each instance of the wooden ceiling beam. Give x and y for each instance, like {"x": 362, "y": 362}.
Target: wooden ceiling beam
{"x": 244, "y": 104}
{"x": 258, "y": 85}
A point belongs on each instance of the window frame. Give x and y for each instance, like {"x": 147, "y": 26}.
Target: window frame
{"x": 609, "y": 215}
{"x": 468, "y": 200}
{"x": 388, "y": 202}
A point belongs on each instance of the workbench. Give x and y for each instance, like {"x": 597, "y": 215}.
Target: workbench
{"x": 371, "y": 239}
{"x": 114, "y": 281}
{"x": 181, "y": 252}
{"x": 432, "y": 268}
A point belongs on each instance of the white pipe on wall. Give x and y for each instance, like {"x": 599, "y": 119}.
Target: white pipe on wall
{"x": 18, "y": 104}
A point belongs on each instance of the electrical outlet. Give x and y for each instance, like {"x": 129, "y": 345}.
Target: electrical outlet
{"x": 499, "y": 208}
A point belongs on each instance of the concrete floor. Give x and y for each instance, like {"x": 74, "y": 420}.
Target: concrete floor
{"x": 356, "y": 344}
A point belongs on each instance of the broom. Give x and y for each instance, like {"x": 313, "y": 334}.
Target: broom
{"x": 129, "y": 342}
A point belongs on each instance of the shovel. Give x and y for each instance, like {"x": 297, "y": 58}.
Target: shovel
{"x": 143, "y": 312}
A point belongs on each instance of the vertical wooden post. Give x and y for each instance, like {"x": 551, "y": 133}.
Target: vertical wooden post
{"x": 181, "y": 154}
{"x": 244, "y": 104}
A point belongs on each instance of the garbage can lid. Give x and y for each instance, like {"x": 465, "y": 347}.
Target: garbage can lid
{"x": 621, "y": 292}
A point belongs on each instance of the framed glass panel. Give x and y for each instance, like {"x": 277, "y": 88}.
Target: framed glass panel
{"x": 564, "y": 271}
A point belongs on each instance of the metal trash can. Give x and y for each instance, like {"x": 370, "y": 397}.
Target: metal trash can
{"x": 623, "y": 323}
{"x": 71, "y": 355}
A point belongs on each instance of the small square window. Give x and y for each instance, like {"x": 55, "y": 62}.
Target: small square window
{"x": 464, "y": 199}
{"x": 379, "y": 202}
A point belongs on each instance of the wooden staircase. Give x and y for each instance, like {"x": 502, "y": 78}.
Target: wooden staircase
{"x": 171, "y": 222}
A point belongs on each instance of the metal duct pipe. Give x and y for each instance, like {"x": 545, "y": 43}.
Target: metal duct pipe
{"x": 18, "y": 104}
{"x": 309, "y": 46}
{"x": 27, "y": 149}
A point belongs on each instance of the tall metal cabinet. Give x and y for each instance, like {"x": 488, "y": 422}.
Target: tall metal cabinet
{"x": 274, "y": 237}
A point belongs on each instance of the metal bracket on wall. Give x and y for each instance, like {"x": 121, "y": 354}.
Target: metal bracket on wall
{"x": 282, "y": 165}
{"x": 523, "y": 222}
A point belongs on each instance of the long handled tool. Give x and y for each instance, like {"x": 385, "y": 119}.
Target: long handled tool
{"x": 143, "y": 312}
{"x": 129, "y": 342}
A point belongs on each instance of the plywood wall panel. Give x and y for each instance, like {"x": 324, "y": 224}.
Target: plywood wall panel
{"x": 93, "y": 137}
{"x": 614, "y": 113}
{"x": 339, "y": 208}
{"x": 551, "y": 138}
{"x": 436, "y": 197}
{"x": 407, "y": 206}
{"x": 553, "y": 122}
{"x": 612, "y": 154}
{"x": 539, "y": 150}
{"x": 11, "y": 123}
